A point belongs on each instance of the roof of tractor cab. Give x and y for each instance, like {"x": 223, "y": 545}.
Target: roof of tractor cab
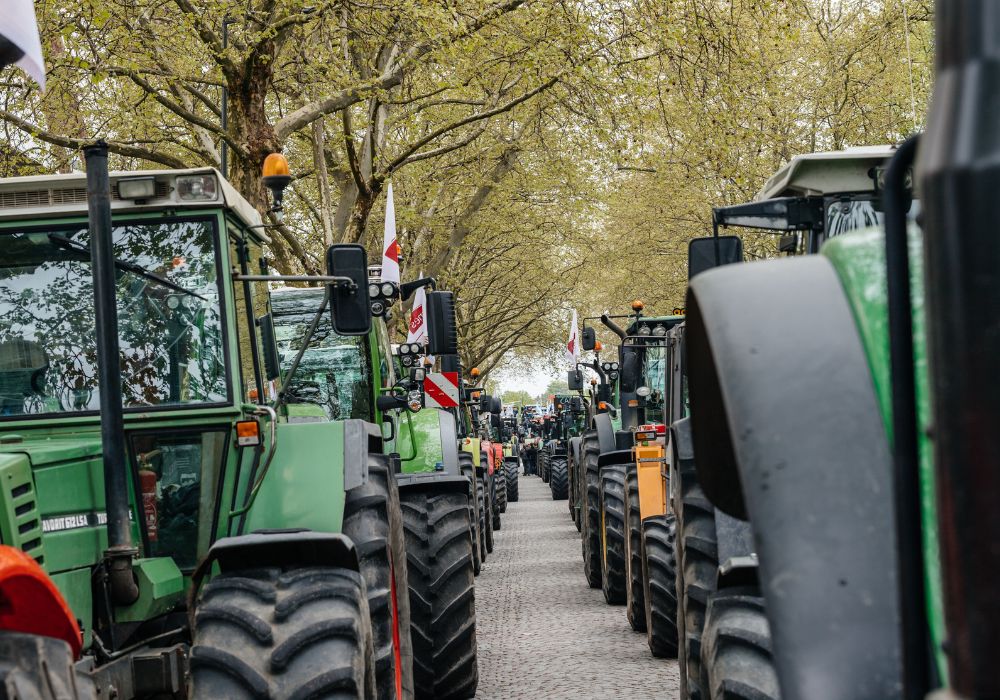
{"x": 848, "y": 170}
{"x": 36, "y": 196}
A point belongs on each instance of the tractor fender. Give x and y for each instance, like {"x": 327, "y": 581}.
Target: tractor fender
{"x": 605, "y": 432}
{"x": 615, "y": 457}
{"x": 437, "y": 482}
{"x": 280, "y": 548}
{"x": 576, "y": 448}
{"x": 360, "y": 438}
{"x": 787, "y": 433}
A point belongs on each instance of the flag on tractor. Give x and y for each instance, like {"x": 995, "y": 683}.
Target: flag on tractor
{"x": 390, "y": 247}
{"x": 573, "y": 344}
{"x": 19, "y": 39}
{"x": 417, "y": 332}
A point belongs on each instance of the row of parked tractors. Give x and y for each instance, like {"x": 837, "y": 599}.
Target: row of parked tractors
{"x": 218, "y": 488}
{"x": 790, "y": 483}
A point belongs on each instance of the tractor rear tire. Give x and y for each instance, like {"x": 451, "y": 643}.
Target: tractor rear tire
{"x": 737, "y": 647}
{"x": 494, "y": 503}
{"x": 442, "y": 593}
{"x": 481, "y": 515}
{"x": 297, "y": 633}
{"x": 511, "y": 468}
{"x": 500, "y": 477}
{"x": 697, "y": 561}
{"x": 374, "y": 522}
{"x": 543, "y": 465}
{"x": 558, "y": 479}
{"x": 613, "y": 581}
{"x": 592, "y": 511}
{"x": 635, "y": 598}
{"x": 40, "y": 668}
{"x": 469, "y": 472}
{"x": 659, "y": 578}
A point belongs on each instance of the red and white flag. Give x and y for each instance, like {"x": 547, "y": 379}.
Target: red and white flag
{"x": 573, "y": 344}
{"x": 390, "y": 247}
{"x": 417, "y": 332}
{"x": 19, "y": 39}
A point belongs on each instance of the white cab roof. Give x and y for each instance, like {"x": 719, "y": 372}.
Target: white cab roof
{"x": 827, "y": 173}
{"x": 56, "y": 195}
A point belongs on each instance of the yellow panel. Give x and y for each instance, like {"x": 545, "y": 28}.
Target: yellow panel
{"x": 652, "y": 485}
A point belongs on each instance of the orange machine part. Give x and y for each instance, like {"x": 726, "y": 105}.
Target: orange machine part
{"x": 31, "y": 603}
{"x": 652, "y": 486}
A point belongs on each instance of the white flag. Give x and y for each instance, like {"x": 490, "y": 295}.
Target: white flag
{"x": 19, "y": 39}
{"x": 573, "y": 344}
{"x": 418, "y": 319}
{"x": 390, "y": 248}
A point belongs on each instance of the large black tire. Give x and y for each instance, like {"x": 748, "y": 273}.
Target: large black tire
{"x": 494, "y": 503}
{"x": 736, "y": 648}
{"x": 697, "y": 560}
{"x": 613, "y": 581}
{"x": 635, "y": 595}
{"x": 500, "y": 477}
{"x": 481, "y": 505}
{"x": 442, "y": 595}
{"x": 591, "y": 511}
{"x": 575, "y": 479}
{"x": 374, "y": 522}
{"x": 543, "y": 465}
{"x": 489, "y": 514}
{"x": 33, "y": 667}
{"x": 511, "y": 468}
{"x": 468, "y": 470}
{"x": 558, "y": 478}
{"x": 301, "y": 633}
{"x": 659, "y": 578}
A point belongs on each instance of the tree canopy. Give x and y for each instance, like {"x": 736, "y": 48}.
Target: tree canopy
{"x": 545, "y": 154}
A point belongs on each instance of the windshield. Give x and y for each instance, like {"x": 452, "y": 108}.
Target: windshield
{"x": 169, "y": 319}
{"x": 654, "y": 376}
{"x": 334, "y": 372}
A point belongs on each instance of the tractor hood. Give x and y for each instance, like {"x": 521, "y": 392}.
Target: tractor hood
{"x": 50, "y": 451}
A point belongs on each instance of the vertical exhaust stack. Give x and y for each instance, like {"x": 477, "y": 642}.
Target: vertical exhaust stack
{"x": 118, "y": 557}
{"x": 959, "y": 169}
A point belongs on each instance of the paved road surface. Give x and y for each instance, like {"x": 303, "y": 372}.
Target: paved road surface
{"x": 542, "y": 632}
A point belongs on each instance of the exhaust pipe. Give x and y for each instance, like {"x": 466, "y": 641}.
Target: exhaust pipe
{"x": 615, "y": 328}
{"x": 118, "y": 557}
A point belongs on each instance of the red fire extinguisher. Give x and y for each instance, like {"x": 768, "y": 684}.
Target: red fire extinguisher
{"x": 147, "y": 485}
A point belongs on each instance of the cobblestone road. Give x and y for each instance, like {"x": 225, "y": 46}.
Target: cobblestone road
{"x": 542, "y": 632}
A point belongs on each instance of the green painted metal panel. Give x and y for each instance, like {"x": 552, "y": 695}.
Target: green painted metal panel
{"x": 21, "y": 524}
{"x": 75, "y": 588}
{"x": 859, "y": 259}
{"x": 472, "y": 446}
{"x": 304, "y": 486}
{"x": 161, "y": 589}
{"x": 421, "y": 436}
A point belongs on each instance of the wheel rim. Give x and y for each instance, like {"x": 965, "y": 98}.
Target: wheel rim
{"x": 396, "y": 643}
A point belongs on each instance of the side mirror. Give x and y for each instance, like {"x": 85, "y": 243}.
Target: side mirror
{"x": 350, "y": 304}
{"x": 272, "y": 363}
{"x": 706, "y": 253}
{"x": 589, "y": 338}
{"x": 442, "y": 329}
{"x": 574, "y": 380}
{"x": 485, "y": 401}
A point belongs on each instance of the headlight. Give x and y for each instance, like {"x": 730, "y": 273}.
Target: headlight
{"x": 137, "y": 188}
{"x": 660, "y": 330}
{"x": 388, "y": 289}
{"x": 606, "y": 366}
{"x": 407, "y": 360}
{"x": 197, "y": 188}
{"x": 372, "y": 290}
{"x": 643, "y": 391}
{"x": 613, "y": 376}
{"x": 644, "y": 330}
{"x": 378, "y": 308}
{"x": 614, "y": 365}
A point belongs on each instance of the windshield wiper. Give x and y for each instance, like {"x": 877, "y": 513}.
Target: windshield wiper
{"x": 69, "y": 244}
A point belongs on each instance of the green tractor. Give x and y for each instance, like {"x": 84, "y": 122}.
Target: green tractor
{"x": 812, "y": 202}
{"x": 212, "y": 536}
{"x": 343, "y": 375}
{"x": 567, "y": 422}
{"x": 868, "y": 480}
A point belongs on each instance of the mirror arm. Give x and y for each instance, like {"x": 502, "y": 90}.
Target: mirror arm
{"x": 325, "y": 279}
{"x": 407, "y": 290}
